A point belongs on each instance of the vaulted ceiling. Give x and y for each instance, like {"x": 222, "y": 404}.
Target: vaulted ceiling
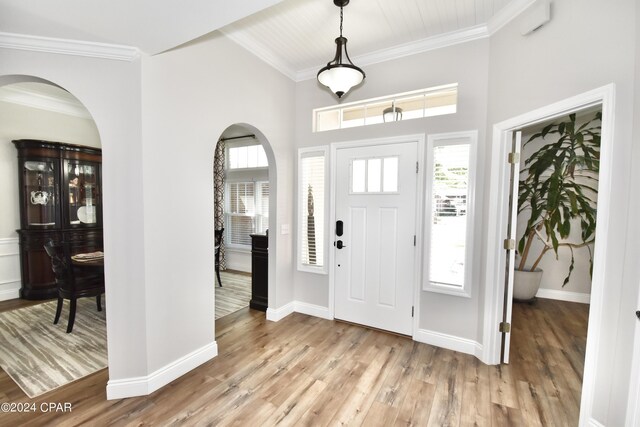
{"x": 295, "y": 36}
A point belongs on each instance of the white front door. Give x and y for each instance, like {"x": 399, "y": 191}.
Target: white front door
{"x": 375, "y": 255}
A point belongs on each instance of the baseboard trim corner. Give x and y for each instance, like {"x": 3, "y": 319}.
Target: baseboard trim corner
{"x": 313, "y": 310}
{"x": 450, "y": 342}
{"x": 142, "y": 386}
{"x": 277, "y": 314}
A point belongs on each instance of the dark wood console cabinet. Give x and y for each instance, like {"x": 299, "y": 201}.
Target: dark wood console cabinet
{"x": 60, "y": 193}
{"x": 259, "y": 272}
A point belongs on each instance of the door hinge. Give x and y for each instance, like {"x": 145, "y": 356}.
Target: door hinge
{"x": 414, "y": 240}
{"x": 513, "y": 158}
{"x": 417, "y": 167}
{"x": 505, "y": 327}
{"x": 411, "y": 311}
{"x": 509, "y": 244}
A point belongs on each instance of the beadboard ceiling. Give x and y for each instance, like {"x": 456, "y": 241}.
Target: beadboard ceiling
{"x": 297, "y": 36}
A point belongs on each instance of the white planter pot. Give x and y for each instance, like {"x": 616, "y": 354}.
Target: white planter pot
{"x": 526, "y": 284}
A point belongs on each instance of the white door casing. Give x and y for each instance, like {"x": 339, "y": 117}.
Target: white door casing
{"x": 498, "y": 212}
{"x": 374, "y": 277}
{"x": 511, "y": 234}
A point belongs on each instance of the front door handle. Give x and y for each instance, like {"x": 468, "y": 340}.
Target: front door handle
{"x": 339, "y": 244}
{"x": 638, "y": 314}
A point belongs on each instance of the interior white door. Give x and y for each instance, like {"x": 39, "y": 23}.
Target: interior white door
{"x": 375, "y": 255}
{"x": 511, "y": 253}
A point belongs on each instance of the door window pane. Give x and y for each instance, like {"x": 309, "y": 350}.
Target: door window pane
{"x": 374, "y": 175}
{"x": 390, "y": 183}
{"x": 358, "y": 176}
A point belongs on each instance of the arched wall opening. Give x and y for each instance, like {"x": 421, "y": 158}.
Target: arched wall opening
{"x": 243, "y": 129}
{"x": 35, "y": 108}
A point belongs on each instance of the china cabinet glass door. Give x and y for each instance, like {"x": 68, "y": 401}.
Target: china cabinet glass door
{"x": 83, "y": 193}
{"x": 41, "y": 204}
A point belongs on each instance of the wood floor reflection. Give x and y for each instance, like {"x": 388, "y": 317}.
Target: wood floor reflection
{"x": 308, "y": 371}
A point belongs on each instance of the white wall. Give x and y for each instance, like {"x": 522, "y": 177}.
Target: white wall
{"x": 587, "y": 44}
{"x": 110, "y": 90}
{"x": 466, "y": 64}
{"x": 190, "y": 96}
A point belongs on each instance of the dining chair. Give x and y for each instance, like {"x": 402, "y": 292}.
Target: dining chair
{"x": 71, "y": 286}
{"x": 218, "y": 240}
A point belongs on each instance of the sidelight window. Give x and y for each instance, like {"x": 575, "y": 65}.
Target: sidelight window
{"x": 312, "y": 174}
{"x": 449, "y": 230}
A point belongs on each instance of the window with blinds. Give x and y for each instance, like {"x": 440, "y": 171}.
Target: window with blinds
{"x": 450, "y": 178}
{"x": 247, "y": 211}
{"x": 311, "y": 209}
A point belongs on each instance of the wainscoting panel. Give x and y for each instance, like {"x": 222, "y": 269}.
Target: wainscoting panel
{"x": 9, "y": 269}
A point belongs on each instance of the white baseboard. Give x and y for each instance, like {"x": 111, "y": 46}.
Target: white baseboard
{"x": 276, "y": 314}
{"x": 142, "y": 386}
{"x": 10, "y": 291}
{"x": 312, "y": 310}
{"x": 450, "y": 342}
{"x": 564, "y": 295}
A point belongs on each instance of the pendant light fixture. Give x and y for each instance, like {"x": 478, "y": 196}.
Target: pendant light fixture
{"x": 340, "y": 76}
{"x": 392, "y": 114}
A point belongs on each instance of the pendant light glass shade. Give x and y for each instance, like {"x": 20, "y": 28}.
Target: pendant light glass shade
{"x": 340, "y": 76}
{"x": 392, "y": 114}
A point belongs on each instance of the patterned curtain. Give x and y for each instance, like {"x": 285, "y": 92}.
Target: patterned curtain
{"x": 218, "y": 194}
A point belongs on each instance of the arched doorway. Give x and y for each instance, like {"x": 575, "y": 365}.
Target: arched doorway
{"x": 39, "y": 110}
{"x": 244, "y": 212}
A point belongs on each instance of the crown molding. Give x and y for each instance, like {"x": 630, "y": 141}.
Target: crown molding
{"x": 505, "y": 15}
{"x": 28, "y": 98}
{"x": 257, "y": 49}
{"x": 407, "y": 49}
{"x": 68, "y": 47}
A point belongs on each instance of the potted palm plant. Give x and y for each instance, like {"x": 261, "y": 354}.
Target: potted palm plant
{"x": 557, "y": 192}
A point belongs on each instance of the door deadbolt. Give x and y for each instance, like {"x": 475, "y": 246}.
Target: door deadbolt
{"x": 339, "y": 244}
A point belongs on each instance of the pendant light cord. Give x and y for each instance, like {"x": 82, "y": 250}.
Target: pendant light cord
{"x": 340, "y": 21}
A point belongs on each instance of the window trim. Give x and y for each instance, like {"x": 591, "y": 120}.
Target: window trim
{"x": 439, "y": 140}
{"x": 308, "y": 152}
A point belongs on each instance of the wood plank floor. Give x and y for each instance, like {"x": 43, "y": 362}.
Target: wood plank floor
{"x": 308, "y": 371}
{"x": 234, "y": 294}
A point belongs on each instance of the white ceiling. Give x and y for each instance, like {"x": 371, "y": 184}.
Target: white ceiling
{"x": 295, "y": 36}
{"x": 153, "y": 26}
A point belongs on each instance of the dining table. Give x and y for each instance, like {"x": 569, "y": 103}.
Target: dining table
{"x": 89, "y": 263}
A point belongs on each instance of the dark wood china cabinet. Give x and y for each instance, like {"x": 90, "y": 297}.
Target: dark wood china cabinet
{"x": 61, "y": 199}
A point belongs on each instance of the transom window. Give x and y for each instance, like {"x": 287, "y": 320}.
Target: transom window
{"x": 246, "y": 193}
{"x": 417, "y": 104}
{"x": 247, "y": 156}
{"x": 374, "y": 175}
